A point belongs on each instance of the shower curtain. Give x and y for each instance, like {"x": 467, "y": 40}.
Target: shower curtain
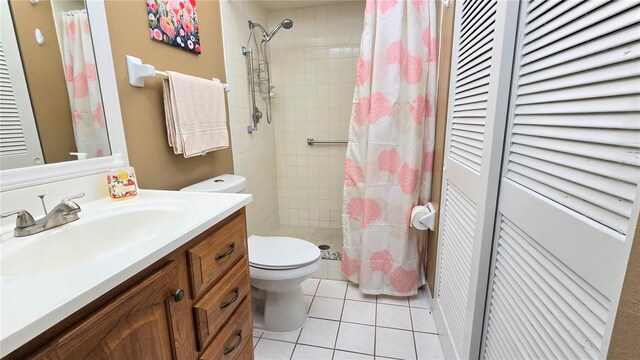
{"x": 82, "y": 85}
{"x": 389, "y": 156}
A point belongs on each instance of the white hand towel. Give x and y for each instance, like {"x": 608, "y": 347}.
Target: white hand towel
{"x": 195, "y": 114}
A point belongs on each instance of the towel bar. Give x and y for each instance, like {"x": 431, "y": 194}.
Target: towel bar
{"x": 138, "y": 72}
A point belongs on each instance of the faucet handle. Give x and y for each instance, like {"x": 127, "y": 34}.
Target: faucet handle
{"x": 76, "y": 196}
{"x": 23, "y": 220}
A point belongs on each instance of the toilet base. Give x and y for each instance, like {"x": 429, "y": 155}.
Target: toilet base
{"x": 281, "y": 311}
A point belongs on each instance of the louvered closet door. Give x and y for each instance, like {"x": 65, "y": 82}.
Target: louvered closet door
{"x": 568, "y": 197}
{"x": 19, "y": 142}
{"x": 483, "y": 52}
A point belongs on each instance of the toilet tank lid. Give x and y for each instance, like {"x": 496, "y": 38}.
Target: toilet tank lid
{"x": 227, "y": 183}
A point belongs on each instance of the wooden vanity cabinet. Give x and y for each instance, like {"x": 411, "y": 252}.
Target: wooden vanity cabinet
{"x": 141, "y": 323}
{"x": 193, "y": 304}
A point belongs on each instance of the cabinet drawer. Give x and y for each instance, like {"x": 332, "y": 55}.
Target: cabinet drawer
{"x": 212, "y": 257}
{"x": 230, "y": 341}
{"x": 219, "y": 303}
{"x": 247, "y": 351}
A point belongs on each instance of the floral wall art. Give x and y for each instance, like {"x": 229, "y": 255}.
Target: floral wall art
{"x": 174, "y": 22}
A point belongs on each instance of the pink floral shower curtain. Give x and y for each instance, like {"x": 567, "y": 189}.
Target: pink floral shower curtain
{"x": 389, "y": 156}
{"x": 82, "y": 85}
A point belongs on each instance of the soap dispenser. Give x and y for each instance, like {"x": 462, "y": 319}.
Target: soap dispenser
{"x": 121, "y": 179}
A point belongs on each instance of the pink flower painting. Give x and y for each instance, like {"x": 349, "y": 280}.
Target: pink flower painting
{"x": 174, "y": 22}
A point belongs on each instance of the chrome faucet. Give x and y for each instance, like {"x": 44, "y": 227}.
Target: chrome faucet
{"x": 65, "y": 212}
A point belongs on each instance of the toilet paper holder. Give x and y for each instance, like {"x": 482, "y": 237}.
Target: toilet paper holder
{"x": 427, "y": 220}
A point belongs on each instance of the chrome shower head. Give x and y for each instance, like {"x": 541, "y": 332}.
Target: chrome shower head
{"x": 266, "y": 37}
{"x": 286, "y": 23}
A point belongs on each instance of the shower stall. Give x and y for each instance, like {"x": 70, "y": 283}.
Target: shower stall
{"x": 299, "y": 75}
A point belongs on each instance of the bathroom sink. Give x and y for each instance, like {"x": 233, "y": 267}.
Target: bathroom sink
{"x": 98, "y": 235}
{"x": 46, "y": 277}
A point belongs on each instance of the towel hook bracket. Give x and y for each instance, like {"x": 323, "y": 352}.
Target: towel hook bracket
{"x": 139, "y": 72}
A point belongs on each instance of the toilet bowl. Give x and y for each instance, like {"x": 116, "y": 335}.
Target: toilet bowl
{"x": 277, "y": 267}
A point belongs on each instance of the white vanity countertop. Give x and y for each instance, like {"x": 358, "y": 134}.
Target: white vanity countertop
{"x": 35, "y": 296}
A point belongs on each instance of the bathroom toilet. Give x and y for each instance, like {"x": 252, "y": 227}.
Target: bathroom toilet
{"x": 278, "y": 266}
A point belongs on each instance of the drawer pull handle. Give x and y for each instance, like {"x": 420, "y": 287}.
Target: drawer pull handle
{"x": 229, "y": 349}
{"x": 236, "y": 294}
{"x": 178, "y": 295}
{"x": 226, "y": 253}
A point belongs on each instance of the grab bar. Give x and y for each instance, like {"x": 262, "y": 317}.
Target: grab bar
{"x": 311, "y": 141}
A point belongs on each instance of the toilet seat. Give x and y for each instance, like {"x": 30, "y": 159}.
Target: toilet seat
{"x": 257, "y": 273}
{"x": 281, "y": 253}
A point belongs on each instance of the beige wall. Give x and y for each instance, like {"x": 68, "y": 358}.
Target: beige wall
{"x": 142, "y": 108}
{"x": 45, "y": 79}
{"x": 625, "y": 342}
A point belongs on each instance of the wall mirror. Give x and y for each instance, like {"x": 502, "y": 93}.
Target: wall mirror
{"x": 58, "y": 97}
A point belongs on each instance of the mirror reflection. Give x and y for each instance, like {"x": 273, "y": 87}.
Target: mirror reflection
{"x": 50, "y": 100}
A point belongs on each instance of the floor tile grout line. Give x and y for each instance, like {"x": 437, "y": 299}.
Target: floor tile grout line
{"x": 326, "y": 348}
{"x": 393, "y": 328}
{"x": 362, "y": 301}
{"x": 349, "y": 322}
{"x": 427, "y": 332}
{"x": 333, "y": 297}
{"x": 335, "y": 343}
{"x": 357, "y": 323}
{"x": 295, "y": 344}
{"x": 352, "y": 352}
{"x": 293, "y": 351}
{"x": 392, "y": 304}
{"x": 413, "y": 334}
{"x": 375, "y": 329}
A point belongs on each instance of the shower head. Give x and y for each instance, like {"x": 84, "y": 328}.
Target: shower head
{"x": 266, "y": 37}
{"x": 286, "y": 23}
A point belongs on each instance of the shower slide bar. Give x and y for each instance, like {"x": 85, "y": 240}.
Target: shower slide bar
{"x": 255, "y": 113}
{"x": 312, "y": 141}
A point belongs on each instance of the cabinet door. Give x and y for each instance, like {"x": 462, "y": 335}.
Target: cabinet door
{"x": 138, "y": 324}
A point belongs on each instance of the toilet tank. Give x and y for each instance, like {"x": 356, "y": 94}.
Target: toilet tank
{"x": 226, "y": 183}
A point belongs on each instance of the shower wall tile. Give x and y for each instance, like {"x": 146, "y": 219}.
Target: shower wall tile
{"x": 313, "y": 71}
{"x": 254, "y": 156}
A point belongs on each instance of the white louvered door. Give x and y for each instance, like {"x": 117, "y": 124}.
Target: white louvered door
{"x": 19, "y": 142}
{"x": 483, "y": 52}
{"x": 569, "y": 197}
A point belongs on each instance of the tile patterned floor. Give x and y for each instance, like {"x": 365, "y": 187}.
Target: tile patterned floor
{"x": 345, "y": 324}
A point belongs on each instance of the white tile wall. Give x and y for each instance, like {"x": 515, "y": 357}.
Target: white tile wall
{"x": 313, "y": 69}
{"x": 254, "y": 156}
